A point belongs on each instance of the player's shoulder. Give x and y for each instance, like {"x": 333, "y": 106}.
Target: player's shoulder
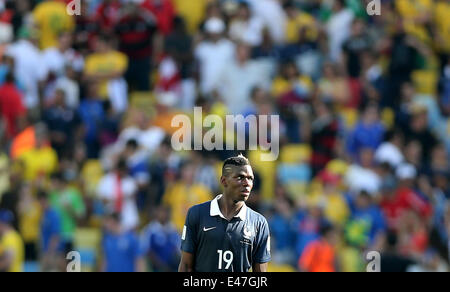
{"x": 255, "y": 216}
{"x": 200, "y": 209}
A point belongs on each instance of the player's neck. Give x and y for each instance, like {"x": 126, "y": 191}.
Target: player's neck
{"x": 229, "y": 208}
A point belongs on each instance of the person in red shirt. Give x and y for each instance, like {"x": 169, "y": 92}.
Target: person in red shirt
{"x": 136, "y": 30}
{"x": 108, "y": 14}
{"x": 11, "y": 106}
{"x": 87, "y": 29}
{"x": 164, "y": 11}
{"x": 397, "y": 201}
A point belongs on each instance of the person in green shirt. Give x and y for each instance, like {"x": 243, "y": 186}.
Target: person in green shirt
{"x": 67, "y": 200}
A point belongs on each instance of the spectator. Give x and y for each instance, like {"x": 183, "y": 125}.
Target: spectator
{"x": 11, "y": 245}
{"x": 367, "y": 217}
{"x": 163, "y": 166}
{"x": 178, "y": 46}
{"x": 339, "y": 28}
{"x": 118, "y": 190}
{"x": 121, "y": 248}
{"x": 62, "y": 121}
{"x": 86, "y": 29}
{"x": 291, "y": 87}
{"x": 136, "y": 29}
{"x": 282, "y": 228}
{"x": 238, "y": 78}
{"x": 12, "y": 108}
{"x": 308, "y": 222}
{"x": 107, "y": 67}
{"x": 300, "y": 26}
{"x": 51, "y": 246}
{"x": 44, "y": 15}
{"x": 183, "y": 194}
{"x": 445, "y": 89}
{"x": 164, "y": 11}
{"x": 58, "y": 57}
{"x": 369, "y": 131}
{"x": 30, "y": 68}
{"x": 432, "y": 263}
{"x": 69, "y": 84}
{"x": 333, "y": 87}
{"x": 391, "y": 261}
{"x": 390, "y": 151}
{"x": 42, "y": 160}
{"x": 29, "y": 216}
{"x": 404, "y": 198}
{"x": 108, "y": 14}
{"x": 70, "y": 206}
{"x": 362, "y": 176}
{"x": 18, "y": 14}
{"x": 213, "y": 54}
{"x": 137, "y": 162}
{"x": 331, "y": 198}
{"x": 246, "y": 28}
{"x": 91, "y": 113}
{"x": 324, "y": 136}
{"x": 320, "y": 255}
{"x": 353, "y": 49}
{"x": 161, "y": 241}
{"x": 272, "y": 14}
{"x": 418, "y": 130}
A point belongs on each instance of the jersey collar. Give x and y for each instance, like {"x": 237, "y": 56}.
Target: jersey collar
{"x": 215, "y": 210}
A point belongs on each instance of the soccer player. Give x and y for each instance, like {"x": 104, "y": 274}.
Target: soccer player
{"x": 224, "y": 235}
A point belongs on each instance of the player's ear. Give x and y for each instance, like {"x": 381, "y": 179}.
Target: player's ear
{"x": 223, "y": 181}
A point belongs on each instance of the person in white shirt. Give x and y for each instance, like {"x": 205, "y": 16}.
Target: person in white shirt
{"x": 239, "y": 77}
{"x": 57, "y": 58}
{"x": 118, "y": 190}
{"x": 30, "y": 69}
{"x": 339, "y": 28}
{"x": 390, "y": 151}
{"x": 246, "y": 27}
{"x": 273, "y": 16}
{"x": 213, "y": 55}
{"x": 361, "y": 176}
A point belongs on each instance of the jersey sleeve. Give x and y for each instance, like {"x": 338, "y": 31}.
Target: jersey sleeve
{"x": 189, "y": 235}
{"x": 262, "y": 248}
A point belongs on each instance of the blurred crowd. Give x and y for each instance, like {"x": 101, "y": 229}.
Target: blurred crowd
{"x": 87, "y": 100}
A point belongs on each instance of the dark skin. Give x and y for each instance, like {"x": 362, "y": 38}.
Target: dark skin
{"x": 237, "y": 182}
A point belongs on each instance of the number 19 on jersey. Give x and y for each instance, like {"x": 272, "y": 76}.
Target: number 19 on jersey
{"x": 226, "y": 257}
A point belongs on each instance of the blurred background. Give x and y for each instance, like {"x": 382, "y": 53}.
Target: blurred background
{"x": 86, "y": 103}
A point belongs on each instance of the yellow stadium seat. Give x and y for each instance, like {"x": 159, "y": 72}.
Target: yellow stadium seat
{"x": 87, "y": 242}
{"x": 267, "y": 170}
{"x": 296, "y": 190}
{"x": 425, "y": 81}
{"x": 388, "y": 118}
{"x": 338, "y": 167}
{"x": 142, "y": 100}
{"x": 87, "y": 238}
{"x": 350, "y": 117}
{"x": 295, "y": 153}
{"x": 91, "y": 174}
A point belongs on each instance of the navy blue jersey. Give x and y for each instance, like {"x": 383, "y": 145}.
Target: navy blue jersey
{"x": 219, "y": 245}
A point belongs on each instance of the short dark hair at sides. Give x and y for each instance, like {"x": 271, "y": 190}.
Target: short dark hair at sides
{"x": 239, "y": 160}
